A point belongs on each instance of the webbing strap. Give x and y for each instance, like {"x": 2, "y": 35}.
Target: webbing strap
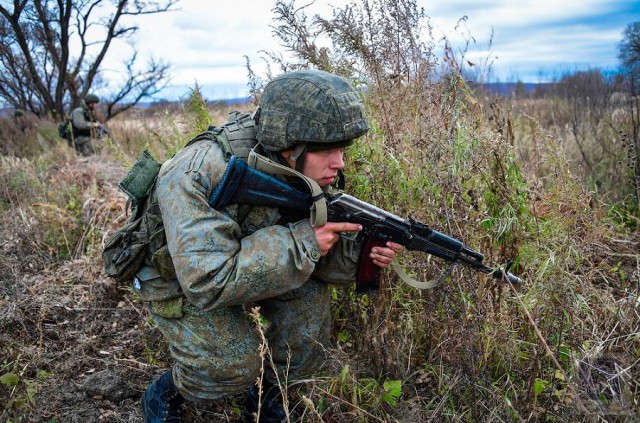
{"x": 411, "y": 281}
{"x": 318, "y": 209}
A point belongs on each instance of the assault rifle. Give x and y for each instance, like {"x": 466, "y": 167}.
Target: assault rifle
{"x": 102, "y": 131}
{"x": 242, "y": 184}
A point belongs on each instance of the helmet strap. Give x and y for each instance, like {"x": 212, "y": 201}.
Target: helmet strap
{"x": 298, "y": 156}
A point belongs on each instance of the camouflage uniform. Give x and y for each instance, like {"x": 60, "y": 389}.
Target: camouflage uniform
{"x": 223, "y": 262}
{"x": 82, "y": 119}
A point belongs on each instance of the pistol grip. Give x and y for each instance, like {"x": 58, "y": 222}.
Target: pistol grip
{"x": 368, "y": 274}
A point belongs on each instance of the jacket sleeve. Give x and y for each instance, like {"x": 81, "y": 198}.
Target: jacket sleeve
{"x": 215, "y": 265}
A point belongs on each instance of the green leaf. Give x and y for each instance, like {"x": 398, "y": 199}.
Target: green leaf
{"x": 344, "y": 374}
{"x": 9, "y": 379}
{"x": 32, "y": 390}
{"x": 392, "y": 391}
{"x": 564, "y": 354}
{"x": 343, "y": 336}
{"x": 538, "y": 386}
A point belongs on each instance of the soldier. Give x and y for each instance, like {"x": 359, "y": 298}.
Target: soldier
{"x": 85, "y": 126}
{"x": 20, "y": 119}
{"x": 225, "y": 259}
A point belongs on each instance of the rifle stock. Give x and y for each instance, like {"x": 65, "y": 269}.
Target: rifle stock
{"x": 242, "y": 184}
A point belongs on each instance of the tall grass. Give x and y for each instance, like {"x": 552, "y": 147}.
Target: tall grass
{"x": 591, "y": 117}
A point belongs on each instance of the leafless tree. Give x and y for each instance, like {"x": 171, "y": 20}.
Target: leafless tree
{"x": 52, "y": 53}
{"x": 587, "y": 95}
{"x": 629, "y": 55}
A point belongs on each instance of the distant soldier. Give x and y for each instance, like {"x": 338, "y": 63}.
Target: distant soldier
{"x": 85, "y": 126}
{"x": 19, "y": 119}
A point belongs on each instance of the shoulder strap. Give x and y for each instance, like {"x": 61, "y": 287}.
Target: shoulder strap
{"x": 236, "y": 137}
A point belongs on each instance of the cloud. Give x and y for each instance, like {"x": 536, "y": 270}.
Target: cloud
{"x": 531, "y": 38}
{"x": 207, "y": 43}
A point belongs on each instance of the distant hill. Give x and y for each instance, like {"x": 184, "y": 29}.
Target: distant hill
{"x": 224, "y": 101}
{"x": 507, "y": 89}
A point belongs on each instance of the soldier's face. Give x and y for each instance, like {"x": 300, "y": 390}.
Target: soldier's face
{"x": 321, "y": 166}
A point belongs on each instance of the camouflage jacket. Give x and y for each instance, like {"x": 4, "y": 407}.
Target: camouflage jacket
{"x": 82, "y": 121}
{"x": 238, "y": 254}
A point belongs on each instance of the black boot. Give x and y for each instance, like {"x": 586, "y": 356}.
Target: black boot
{"x": 162, "y": 402}
{"x": 272, "y": 410}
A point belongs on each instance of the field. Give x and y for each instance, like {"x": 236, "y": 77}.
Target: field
{"x": 549, "y": 179}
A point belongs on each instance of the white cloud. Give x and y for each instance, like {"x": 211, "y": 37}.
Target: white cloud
{"x": 206, "y": 41}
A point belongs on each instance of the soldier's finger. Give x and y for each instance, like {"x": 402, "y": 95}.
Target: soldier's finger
{"x": 343, "y": 227}
{"x": 398, "y": 248}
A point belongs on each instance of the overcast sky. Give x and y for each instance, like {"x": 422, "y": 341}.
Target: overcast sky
{"x": 533, "y": 40}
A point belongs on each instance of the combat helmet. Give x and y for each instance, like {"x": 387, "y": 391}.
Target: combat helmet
{"x": 91, "y": 98}
{"x": 309, "y": 110}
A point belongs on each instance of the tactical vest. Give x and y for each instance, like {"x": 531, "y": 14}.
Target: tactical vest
{"x": 141, "y": 240}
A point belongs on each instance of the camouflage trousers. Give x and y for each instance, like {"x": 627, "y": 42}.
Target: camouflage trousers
{"x": 84, "y": 145}
{"x": 216, "y": 352}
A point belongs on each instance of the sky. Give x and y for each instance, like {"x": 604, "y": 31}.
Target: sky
{"x": 522, "y": 40}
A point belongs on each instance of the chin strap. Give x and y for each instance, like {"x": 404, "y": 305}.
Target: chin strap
{"x": 318, "y": 216}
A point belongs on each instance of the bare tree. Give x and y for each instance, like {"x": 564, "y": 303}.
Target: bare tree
{"x": 629, "y": 55}
{"x": 629, "y": 50}
{"x": 587, "y": 95}
{"x": 52, "y": 51}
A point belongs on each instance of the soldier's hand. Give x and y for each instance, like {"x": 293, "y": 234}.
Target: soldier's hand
{"x": 329, "y": 234}
{"x": 382, "y": 256}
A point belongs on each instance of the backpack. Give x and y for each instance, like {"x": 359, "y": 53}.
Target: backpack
{"x": 142, "y": 239}
{"x": 64, "y": 129}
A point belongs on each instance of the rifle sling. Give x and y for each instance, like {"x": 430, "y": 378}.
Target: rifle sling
{"x": 411, "y": 281}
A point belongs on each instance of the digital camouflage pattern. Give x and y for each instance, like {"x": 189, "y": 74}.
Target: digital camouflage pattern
{"x": 225, "y": 259}
{"x": 309, "y": 106}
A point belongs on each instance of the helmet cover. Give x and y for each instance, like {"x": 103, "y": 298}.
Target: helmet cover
{"x": 309, "y": 107}
{"x": 91, "y": 98}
